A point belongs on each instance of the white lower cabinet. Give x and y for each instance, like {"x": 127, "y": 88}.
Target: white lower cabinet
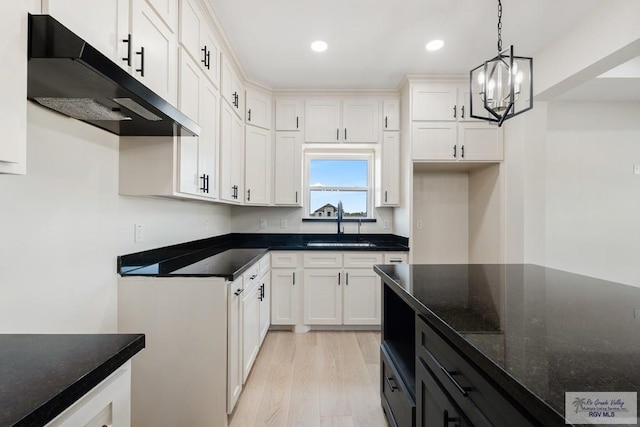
{"x": 107, "y": 404}
{"x": 286, "y": 288}
{"x": 234, "y": 343}
{"x": 265, "y": 304}
{"x": 345, "y": 292}
{"x": 250, "y": 320}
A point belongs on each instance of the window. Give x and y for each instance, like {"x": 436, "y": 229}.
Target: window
{"x": 342, "y": 178}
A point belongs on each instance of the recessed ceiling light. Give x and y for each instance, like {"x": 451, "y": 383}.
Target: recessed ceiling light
{"x": 319, "y": 46}
{"x": 434, "y": 45}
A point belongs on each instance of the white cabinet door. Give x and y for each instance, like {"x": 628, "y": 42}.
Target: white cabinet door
{"x": 257, "y": 166}
{"x": 390, "y": 115}
{"x": 189, "y": 104}
{"x": 231, "y": 156}
{"x": 234, "y": 343}
{"x": 434, "y": 141}
{"x": 167, "y": 10}
{"x": 250, "y": 327}
{"x": 286, "y": 292}
{"x": 287, "y": 167}
{"x": 361, "y": 120}
{"x": 322, "y": 120}
{"x": 232, "y": 87}
{"x": 289, "y": 114}
{"x": 434, "y": 102}
{"x": 96, "y": 22}
{"x": 13, "y": 86}
{"x": 323, "y": 296}
{"x": 197, "y": 37}
{"x": 389, "y": 171}
{"x": 480, "y": 141}
{"x": 258, "y": 106}
{"x": 154, "y": 51}
{"x": 362, "y": 297}
{"x": 208, "y": 141}
{"x": 265, "y": 305}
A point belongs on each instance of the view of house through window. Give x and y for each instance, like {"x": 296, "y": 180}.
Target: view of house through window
{"x": 334, "y": 180}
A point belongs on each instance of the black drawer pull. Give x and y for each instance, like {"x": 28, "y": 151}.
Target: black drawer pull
{"x": 450, "y": 375}
{"x": 238, "y": 292}
{"x": 393, "y": 387}
{"x": 448, "y": 419}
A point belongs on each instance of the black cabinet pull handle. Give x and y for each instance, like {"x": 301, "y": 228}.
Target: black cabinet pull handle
{"x": 238, "y": 292}
{"x": 128, "y": 42}
{"x": 296, "y": 197}
{"x": 207, "y": 183}
{"x": 339, "y": 279}
{"x": 249, "y": 114}
{"x": 347, "y": 279}
{"x": 208, "y": 64}
{"x": 450, "y": 375}
{"x": 455, "y": 113}
{"x": 462, "y": 151}
{"x": 297, "y": 122}
{"x": 385, "y": 196}
{"x": 385, "y": 122}
{"x": 253, "y": 276}
{"x": 395, "y": 260}
{"x": 462, "y": 108}
{"x": 337, "y": 134}
{"x": 204, "y": 56}
{"x": 294, "y": 278}
{"x": 248, "y": 195}
{"x": 204, "y": 183}
{"x": 345, "y": 134}
{"x": 393, "y": 387}
{"x": 141, "y": 53}
{"x": 454, "y": 151}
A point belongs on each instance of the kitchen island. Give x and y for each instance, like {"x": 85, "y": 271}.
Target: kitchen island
{"x": 502, "y": 344}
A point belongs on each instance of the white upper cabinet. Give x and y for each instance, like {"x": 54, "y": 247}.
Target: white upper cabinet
{"x": 199, "y": 40}
{"x": 391, "y": 115}
{"x": 322, "y": 120}
{"x": 434, "y": 102}
{"x": 361, "y": 120}
{"x": 13, "y": 86}
{"x": 154, "y": 51}
{"x": 232, "y": 87}
{"x": 98, "y": 23}
{"x": 388, "y": 171}
{"x": 167, "y": 10}
{"x": 335, "y": 120}
{"x": 231, "y": 163}
{"x": 258, "y": 108}
{"x": 289, "y": 114}
{"x": 257, "y": 166}
{"x": 287, "y": 169}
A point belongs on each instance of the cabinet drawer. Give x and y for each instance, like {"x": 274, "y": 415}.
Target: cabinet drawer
{"x": 395, "y": 258}
{"x": 400, "y": 407}
{"x": 250, "y": 277}
{"x": 323, "y": 259}
{"x": 362, "y": 259}
{"x": 470, "y": 390}
{"x": 284, "y": 259}
{"x": 265, "y": 264}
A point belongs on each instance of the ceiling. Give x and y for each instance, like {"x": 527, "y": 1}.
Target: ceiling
{"x": 374, "y": 43}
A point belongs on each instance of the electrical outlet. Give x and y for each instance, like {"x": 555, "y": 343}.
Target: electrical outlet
{"x": 138, "y": 233}
{"x": 263, "y": 222}
{"x": 636, "y": 169}
{"x": 419, "y": 224}
{"x": 387, "y": 224}
{"x": 283, "y": 222}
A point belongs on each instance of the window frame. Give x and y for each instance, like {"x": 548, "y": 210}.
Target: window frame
{"x": 352, "y": 154}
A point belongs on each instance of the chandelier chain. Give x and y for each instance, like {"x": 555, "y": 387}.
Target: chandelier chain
{"x": 499, "y": 26}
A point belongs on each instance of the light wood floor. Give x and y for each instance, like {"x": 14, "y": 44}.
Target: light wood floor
{"x": 318, "y": 379}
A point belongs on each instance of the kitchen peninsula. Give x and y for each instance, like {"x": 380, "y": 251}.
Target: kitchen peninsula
{"x": 501, "y": 344}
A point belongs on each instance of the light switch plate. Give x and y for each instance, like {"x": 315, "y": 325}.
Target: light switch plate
{"x": 138, "y": 233}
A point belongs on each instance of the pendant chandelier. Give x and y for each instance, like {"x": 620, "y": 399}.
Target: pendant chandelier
{"x": 501, "y": 87}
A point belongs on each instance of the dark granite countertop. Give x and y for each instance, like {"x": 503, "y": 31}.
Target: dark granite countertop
{"x": 538, "y": 332}
{"x": 230, "y": 255}
{"x": 42, "y": 375}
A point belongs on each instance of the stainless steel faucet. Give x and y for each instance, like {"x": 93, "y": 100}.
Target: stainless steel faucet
{"x": 340, "y": 216}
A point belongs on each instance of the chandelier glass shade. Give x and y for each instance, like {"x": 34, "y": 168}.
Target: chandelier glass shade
{"x": 501, "y": 87}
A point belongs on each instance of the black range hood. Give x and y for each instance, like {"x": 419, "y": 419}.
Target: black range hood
{"x": 68, "y": 75}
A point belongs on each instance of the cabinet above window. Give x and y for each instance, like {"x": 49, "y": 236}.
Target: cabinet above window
{"x": 335, "y": 120}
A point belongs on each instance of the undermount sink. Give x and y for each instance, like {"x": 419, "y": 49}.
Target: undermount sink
{"x": 341, "y": 244}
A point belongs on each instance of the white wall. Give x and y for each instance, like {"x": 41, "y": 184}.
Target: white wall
{"x": 246, "y": 219}
{"x": 63, "y": 224}
{"x": 592, "y": 195}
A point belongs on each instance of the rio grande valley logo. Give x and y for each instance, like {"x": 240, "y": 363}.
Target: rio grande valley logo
{"x": 601, "y": 407}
